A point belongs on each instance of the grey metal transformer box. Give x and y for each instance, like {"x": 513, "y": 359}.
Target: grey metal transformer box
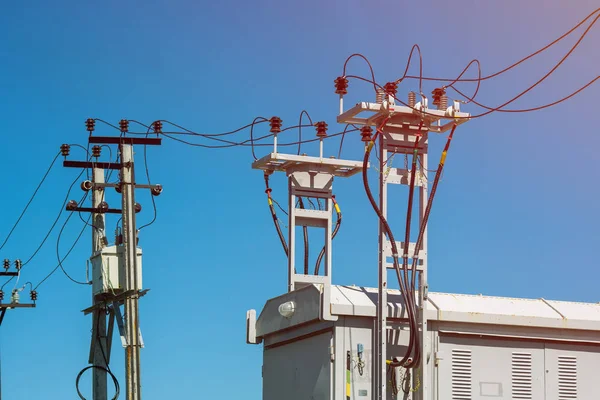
{"x": 477, "y": 347}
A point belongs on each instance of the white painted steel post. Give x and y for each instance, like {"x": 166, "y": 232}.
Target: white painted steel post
{"x": 132, "y": 350}
{"x": 381, "y": 344}
{"x": 99, "y": 383}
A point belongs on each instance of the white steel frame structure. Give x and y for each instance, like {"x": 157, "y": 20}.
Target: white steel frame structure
{"x": 402, "y": 126}
{"x": 309, "y": 177}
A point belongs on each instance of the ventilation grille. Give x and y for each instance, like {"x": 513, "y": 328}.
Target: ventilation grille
{"x": 521, "y": 376}
{"x": 461, "y": 374}
{"x": 567, "y": 378}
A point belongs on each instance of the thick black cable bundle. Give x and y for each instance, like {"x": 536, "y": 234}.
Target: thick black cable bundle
{"x": 414, "y": 338}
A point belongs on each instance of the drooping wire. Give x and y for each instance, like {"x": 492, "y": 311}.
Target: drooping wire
{"x": 368, "y": 63}
{"x": 415, "y": 46}
{"x": 506, "y": 69}
{"x": 30, "y": 200}
{"x": 304, "y": 112}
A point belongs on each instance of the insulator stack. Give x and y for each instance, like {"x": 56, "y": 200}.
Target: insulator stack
{"x": 65, "y": 149}
{"x": 275, "y": 123}
{"x": 124, "y": 125}
{"x": 412, "y": 99}
{"x": 18, "y": 264}
{"x": 6, "y": 264}
{"x": 321, "y": 129}
{"x": 96, "y": 150}
{"x": 379, "y": 96}
{"x": 341, "y": 85}
{"x": 157, "y": 126}
{"x": 366, "y": 133}
{"x": 34, "y": 295}
{"x": 437, "y": 98}
{"x": 443, "y": 103}
{"x": 391, "y": 88}
{"x": 90, "y": 124}
{"x": 72, "y": 205}
{"x": 1, "y": 295}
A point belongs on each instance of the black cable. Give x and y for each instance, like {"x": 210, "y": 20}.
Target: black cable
{"x": 30, "y": 200}
{"x": 114, "y": 378}
{"x": 415, "y": 46}
{"x": 300, "y": 128}
{"x": 338, "y": 223}
{"x": 274, "y": 215}
{"x": 60, "y": 261}
{"x": 305, "y": 231}
{"x": 148, "y": 178}
{"x": 387, "y": 230}
{"x": 514, "y": 64}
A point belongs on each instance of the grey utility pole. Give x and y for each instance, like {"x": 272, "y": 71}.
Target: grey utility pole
{"x": 132, "y": 350}
{"x": 100, "y": 352}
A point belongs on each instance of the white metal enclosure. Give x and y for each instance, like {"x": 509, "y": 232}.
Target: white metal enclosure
{"x": 478, "y": 347}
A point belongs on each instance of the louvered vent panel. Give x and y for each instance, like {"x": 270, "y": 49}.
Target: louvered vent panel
{"x": 461, "y": 374}
{"x": 567, "y": 378}
{"x": 521, "y": 376}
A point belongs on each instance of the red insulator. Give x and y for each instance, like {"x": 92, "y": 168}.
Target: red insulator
{"x": 124, "y": 125}
{"x": 34, "y": 295}
{"x": 321, "y": 129}
{"x": 6, "y": 264}
{"x": 366, "y": 132}
{"x": 437, "y": 96}
{"x": 96, "y": 150}
{"x": 275, "y": 123}
{"x": 90, "y": 124}
{"x": 65, "y": 149}
{"x": 391, "y": 88}
{"x": 157, "y": 126}
{"x": 1, "y": 295}
{"x": 341, "y": 85}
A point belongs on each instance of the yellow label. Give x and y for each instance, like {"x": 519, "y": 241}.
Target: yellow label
{"x": 443, "y": 160}
{"x": 270, "y": 202}
{"x": 337, "y": 208}
{"x": 370, "y": 146}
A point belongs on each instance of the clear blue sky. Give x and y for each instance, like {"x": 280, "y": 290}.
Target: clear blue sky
{"x": 516, "y": 214}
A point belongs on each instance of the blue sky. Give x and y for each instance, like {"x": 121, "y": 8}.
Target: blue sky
{"x": 516, "y": 212}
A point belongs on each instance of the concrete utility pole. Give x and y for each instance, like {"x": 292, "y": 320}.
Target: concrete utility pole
{"x": 132, "y": 350}
{"x": 100, "y": 351}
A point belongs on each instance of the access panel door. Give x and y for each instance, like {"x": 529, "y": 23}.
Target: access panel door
{"x": 572, "y": 372}
{"x": 471, "y": 368}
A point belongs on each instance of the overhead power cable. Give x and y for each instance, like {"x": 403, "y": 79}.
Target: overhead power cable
{"x": 30, "y": 200}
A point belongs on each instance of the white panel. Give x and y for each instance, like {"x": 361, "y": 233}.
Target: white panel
{"x": 474, "y": 368}
{"x": 298, "y": 370}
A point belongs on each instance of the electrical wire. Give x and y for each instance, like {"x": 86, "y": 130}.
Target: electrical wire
{"x": 368, "y": 63}
{"x": 304, "y": 112}
{"x": 274, "y": 215}
{"x": 338, "y": 223}
{"x": 60, "y": 261}
{"x": 415, "y": 46}
{"x": 114, "y": 379}
{"x": 413, "y": 326}
{"x": 30, "y": 200}
{"x": 506, "y": 69}
{"x": 305, "y": 232}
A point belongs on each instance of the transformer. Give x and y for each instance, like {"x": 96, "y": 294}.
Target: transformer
{"x": 477, "y": 347}
{"x": 108, "y": 270}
